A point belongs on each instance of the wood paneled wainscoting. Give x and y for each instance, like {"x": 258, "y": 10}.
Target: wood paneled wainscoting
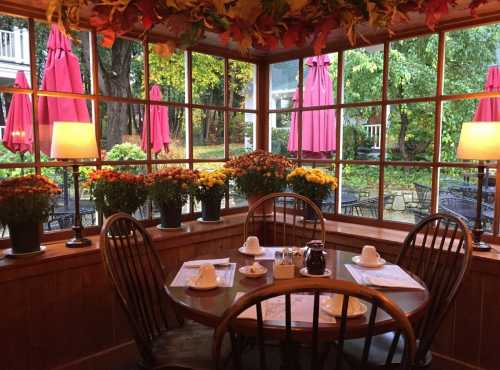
{"x": 58, "y": 310}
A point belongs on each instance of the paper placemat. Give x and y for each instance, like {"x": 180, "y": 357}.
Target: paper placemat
{"x": 273, "y": 309}
{"x": 388, "y": 276}
{"x": 268, "y": 254}
{"x": 186, "y": 273}
{"x": 198, "y": 263}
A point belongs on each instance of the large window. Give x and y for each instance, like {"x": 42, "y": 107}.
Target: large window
{"x": 394, "y": 122}
{"x": 207, "y": 102}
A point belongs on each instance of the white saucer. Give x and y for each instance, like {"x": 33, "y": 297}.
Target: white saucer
{"x": 202, "y": 221}
{"x": 380, "y": 263}
{"x": 194, "y": 286}
{"x": 245, "y": 270}
{"x": 258, "y": 252}
{"x": 159, "y": 227}
{"x": 303, "y": 272}
{"x": 337, "y": 312}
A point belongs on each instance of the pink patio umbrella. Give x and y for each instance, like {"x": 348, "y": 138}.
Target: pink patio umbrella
{"x": 62, "y": 73}
{"x": 158, "y": 124}
{"x": 318, "y": 126}
{"x": 18, "y": 134}
{"x": 488, "y": 109}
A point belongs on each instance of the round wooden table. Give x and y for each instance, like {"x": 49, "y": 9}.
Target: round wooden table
{"x": 207, "y": 307}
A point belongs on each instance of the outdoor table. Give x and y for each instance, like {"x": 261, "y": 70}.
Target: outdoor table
{"x": 207, "y": 307}
{"x": 470, "y": 191}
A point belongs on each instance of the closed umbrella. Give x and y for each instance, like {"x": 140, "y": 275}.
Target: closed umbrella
{"x": 158, "y": 124}
{"x": 18, "y": 134}
{"x": 488, "y": 109}
{"x": 61, "y": 73}
{"x": 318, "y": 126}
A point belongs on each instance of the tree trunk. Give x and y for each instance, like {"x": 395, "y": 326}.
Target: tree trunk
{"x": 402, "y": 133}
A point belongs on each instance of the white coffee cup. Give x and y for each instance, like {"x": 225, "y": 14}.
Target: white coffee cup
{"x": 252, "y": 244}
{"x": 369, "y": 255}
{"x": 353, "y": 307}
{"x": 206, "y": 275}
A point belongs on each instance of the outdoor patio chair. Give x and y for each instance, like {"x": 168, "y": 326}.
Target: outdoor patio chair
{"x": 423, "y": 196}
{"x": 465, "y": 209}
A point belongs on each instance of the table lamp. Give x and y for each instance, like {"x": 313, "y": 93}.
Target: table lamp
{"x": 72, "y": 141}
{"x": 479, "y": 141}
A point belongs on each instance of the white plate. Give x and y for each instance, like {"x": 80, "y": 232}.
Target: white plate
{"x": 202, "y": 221}
{"x": 257, "y": 252}
{"x": 245, "y": 270}
{"x": 303, "y": 272}
{"x": 194, "y": 286}
{"x": 357, "y": 261}
{"x": 329, "y": 309}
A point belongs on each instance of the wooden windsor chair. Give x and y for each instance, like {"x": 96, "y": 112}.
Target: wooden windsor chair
{"x": 438, "y": 250}
{"x": 284, "y": 223}
{"x": 163, "y": 338}
{"x": 313, "y": 339}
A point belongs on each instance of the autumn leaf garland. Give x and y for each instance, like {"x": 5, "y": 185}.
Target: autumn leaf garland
{"x": 260, "y": 24}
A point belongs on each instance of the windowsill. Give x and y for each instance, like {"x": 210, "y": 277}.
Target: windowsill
{"x": 343, "y": 234}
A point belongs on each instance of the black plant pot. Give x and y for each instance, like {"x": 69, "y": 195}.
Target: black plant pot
{"x": 170, "y": 215}
{"x": 25, "y": 236}
{"x": 309, "y": 214}
{"x": 210, "y": 209}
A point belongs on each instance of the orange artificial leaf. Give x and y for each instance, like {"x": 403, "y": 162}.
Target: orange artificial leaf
{"x": 108, "y": 38}
{"x": 321, "y": 34}
{"x": 296, "y": 5}
{"x": 178, "y": 23}
{"x": 248, "y": 10}
{"x": 165, "y": 49}
{"x": 225, "y": 37}
{"x": 219, "y": 6}
{"x": 244, "y": 43}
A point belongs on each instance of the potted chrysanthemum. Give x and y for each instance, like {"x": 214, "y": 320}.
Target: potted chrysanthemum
{"x": 169, "y": 190}
{"x": 312, "y": 183}
{"x": 25, "y": 203}
{"x": 259, "y": 173}
{"x": 115, "y": 191}
{"x": 209, "y": 189}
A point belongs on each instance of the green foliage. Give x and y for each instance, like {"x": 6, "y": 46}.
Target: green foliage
{"x": 355, "y": 137}
{"x": 127, "y": 152}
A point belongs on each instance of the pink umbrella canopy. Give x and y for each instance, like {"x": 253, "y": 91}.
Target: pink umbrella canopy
{"x": 318, "y": 126}
{"x": 18, "y": 134}
{"x": 488, "y": 109}
{"x": 62, "y": 73}
{"x": 158, "y": 124}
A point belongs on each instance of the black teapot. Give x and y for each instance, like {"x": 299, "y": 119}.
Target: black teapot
{"x": 314, "y": 257}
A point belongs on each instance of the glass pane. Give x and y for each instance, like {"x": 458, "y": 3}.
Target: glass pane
{"x": 413, "y": 67}
{"x": 13, "y": 172}
{"x": 241, "y": 132}
{"x": 471, "y": 55}
{"x": 62, "y": 216}
{"x": 160, "y": 166}
{"x": 361, "y": 130}
{"x": 168, "y": 133}
{"x": 407, "y": 193}
{"x": 363, "y": 73}
{"x": 279, "y": 129}
{"x": 283, "y": 80}
{"x": 121, "y": 69}
{"x": 455, "y": 113}
{"x": 51, "y": 110}
{"x": 458, "y": 195}
{"x": 14, "y": 49}
{"x": 208, "y": 79}
{"x": 16, "y": 128}
{"x": 359, "y": 190}
{"x": 208, "y": 134}
{"x": 320, "y": 80}
{"x": 236, "y": 199}
{"x": 242, "y": 84}
{"x": 319, "y": 129}
{"x": 121, "y": 130}
{"x": 170, "y": 74}
{"x": 62, "y": 64}
{"x": 410, "y": 132}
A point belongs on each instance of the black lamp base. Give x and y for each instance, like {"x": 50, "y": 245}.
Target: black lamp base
{"x": 78, "y": 243}
{"x": 481, "y": 246}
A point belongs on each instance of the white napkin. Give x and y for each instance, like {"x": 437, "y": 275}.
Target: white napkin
{"x": 215, "y": 262}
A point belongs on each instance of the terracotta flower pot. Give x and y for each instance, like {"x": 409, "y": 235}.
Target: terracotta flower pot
{"x": 25, "y": 236}
{"x": 265, "y": 209}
